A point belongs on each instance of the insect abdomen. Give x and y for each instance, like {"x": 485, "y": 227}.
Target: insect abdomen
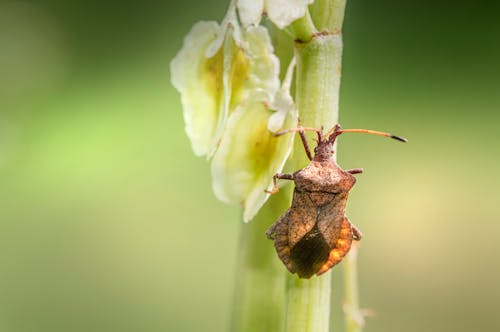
{"x": 310, "y": 253}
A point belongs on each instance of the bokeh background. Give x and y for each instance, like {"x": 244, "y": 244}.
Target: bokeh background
{"x": 108, "y": 221}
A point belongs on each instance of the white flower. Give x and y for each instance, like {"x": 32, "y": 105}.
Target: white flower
{"x": 280, "y": 12}
{"x": 216, "y": 69}
{"x": 197, "y": 78}
{"x": 228, "y": 78}
{"x": 250, "y": 154}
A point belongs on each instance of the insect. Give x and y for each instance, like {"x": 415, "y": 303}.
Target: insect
{"x": 314, "y": 234}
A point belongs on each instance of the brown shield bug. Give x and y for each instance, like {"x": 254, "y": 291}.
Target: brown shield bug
{"x": 314, "y": 234}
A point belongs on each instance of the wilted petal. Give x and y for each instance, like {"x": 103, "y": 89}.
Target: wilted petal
{"x": 234, "y": 73}
{"x": 198, "y": 79}
{"x": 250, "y": 11}
{"x": 264, "y": 64}
{"x": 249, "y": 156}
{"x": 282, "y": 105}
{"x": 253, "y": 70}
{"x": 280, "y": 12}
{"x": 284, "y": 12}
{"x": 240, "y": 62}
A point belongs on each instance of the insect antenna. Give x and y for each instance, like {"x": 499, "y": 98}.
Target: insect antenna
{"x": 300, "y": 129}
{"x": 367, "y": 131}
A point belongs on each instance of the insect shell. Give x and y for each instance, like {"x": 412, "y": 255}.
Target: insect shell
{"x": 314, "y": 234}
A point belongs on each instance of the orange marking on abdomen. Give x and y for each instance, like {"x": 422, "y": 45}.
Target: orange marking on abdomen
{"x": 342, "y": 247}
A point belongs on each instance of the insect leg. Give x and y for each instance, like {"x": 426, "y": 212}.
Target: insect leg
{"x": 302, "y": 132}
{"x": 275, "y": 182}
{"x": 356, "y": 233}
{"x": 355, "y": 171}
{"x": 271, "y": 231}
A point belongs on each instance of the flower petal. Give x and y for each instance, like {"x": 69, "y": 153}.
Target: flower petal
{"x": 249, "y": 70}
{"x": 282, "y": 102}
{"x": 264, "y": 64}
{"x": 283, "y": 105}
{"x": 211, "y": 87}
{"x": 284, "y": 12}
{"x": 250, "y": 11}
{"x": 197, "y": 78}
{"x": 248, "y": 157}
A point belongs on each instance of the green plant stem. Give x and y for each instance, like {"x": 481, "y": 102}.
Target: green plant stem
{"x": 354, "y": 319}
{"x": 303, "y": 29}
{"x": 268, "y": 297}
{"x": 318, "y": 82}
{"x": 317, "y": 97}
{"x": 308, "y": 304}
{"x": 328, "y": 15}
{"x": 259, "y": 303}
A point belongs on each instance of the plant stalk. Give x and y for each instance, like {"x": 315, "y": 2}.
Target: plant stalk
{"x": 303, "y": 29}
{"x": 259, "y": 303}
{"x": 317, "y": 97}
{"x": 354, "y": 320}
{"x": 268, "y": 297}
{"x": 328, "y": 15}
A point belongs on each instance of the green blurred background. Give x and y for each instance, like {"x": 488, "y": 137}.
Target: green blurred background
{"x": 108, "y": 221}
